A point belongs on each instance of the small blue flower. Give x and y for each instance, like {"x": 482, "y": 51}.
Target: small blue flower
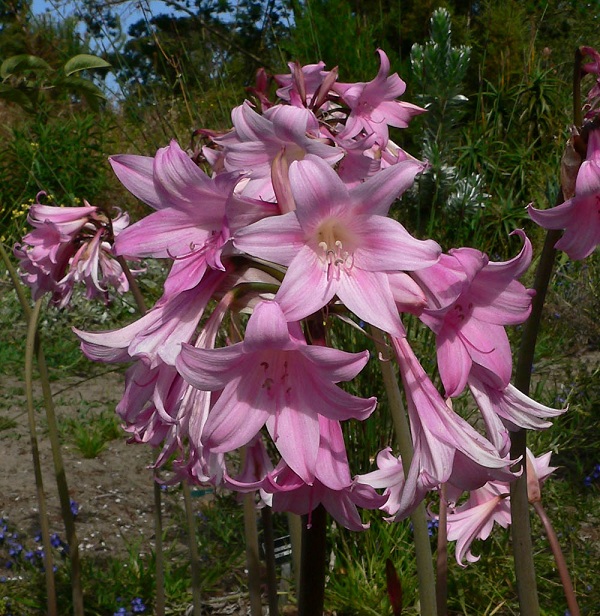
{"x": 74, "y": 508}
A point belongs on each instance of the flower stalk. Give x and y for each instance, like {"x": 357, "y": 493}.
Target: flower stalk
{"x": 48, "y": 560}
{"x": 425, "y": 573}
{"x": 559, "y": 558}
{"x": 59, "y": 467}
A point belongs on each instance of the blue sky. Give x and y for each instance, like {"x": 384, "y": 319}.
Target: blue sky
{"x": 130, "y": 11}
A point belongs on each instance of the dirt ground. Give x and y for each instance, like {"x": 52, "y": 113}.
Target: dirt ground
{"x": 114, "y": 491}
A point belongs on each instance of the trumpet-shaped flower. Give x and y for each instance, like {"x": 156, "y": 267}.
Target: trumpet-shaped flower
{"x": 195, "y": 213}
{"x": 274, "y": 377}
{"x": 257, "y": 139}
{"x": 332, "y": 486}
{"x": 71, "y": 245}
{"x": 373, "y": 105}
{"x": 470, "y": 328}
{"x": 506, "y": 409}
{"x": 340, "y": 242}
{"x": 474, "y": 519}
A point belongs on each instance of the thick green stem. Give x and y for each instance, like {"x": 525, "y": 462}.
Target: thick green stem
{"x": 48, "y": 561}
{"x": 195, "y": 560}
{"x": 252, "y": 560}
{"x": 519, "y": 503}
{"x": 311, "y": 598}
{"x": 295, "y": 526}
{"x": 267, "y": 520}
{"x": 559, "y": 558}
{"x": 425, "y": 573}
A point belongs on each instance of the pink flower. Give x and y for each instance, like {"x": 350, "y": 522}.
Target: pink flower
{"x": 157, "y": 336}
{"x": 332, "y": 486}
{"x": 195, "y": 213}
{"x": 579, "y": 216}
{"x": 69, "y": 246}
{"x": 274, "y": 377}
{"x": 257, "y": 139}
{"x": 340, "y": 242}
{"x": 446, "y": 447}
{"x": 470, "y": 329}
{"x": 475, "y": 518}
{"x": 373, "y": 105}
{"x": 390, "y": 477}
{"x": 506, "y": 409}
{"x": 306, "y": 86}
{"x": 593, "y": 68}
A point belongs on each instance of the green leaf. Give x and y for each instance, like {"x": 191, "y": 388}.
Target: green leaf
{"x": 14, "y": 95}
{"x": 22, "y": 62}
{"x": 84, "y": 62}
{"x": 84, "y": 87}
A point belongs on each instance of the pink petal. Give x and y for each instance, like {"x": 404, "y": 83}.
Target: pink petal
{"x": 137, "y": 175}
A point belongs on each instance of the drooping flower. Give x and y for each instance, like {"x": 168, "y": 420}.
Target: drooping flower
{"x": 475, "y": 518}
{"x": 332, "y": 486}
{"x": 469, "y": 326}
{"x": 340, "y": 242}
{"x": 446, "y": 447}
{"x": 274, "y": 377}
{"x": 506, "y": 409}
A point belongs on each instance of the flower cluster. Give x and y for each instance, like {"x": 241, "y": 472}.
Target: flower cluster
{"x": 68, "y": 246}
{"x": 285, "y": 218}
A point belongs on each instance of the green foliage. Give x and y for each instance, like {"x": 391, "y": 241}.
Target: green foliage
{"x": 357, "y": 584}
{"x": 91, "y": 431}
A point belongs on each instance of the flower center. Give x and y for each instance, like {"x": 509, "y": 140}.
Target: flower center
{"x": 336, "y": 248}
{"x": 276, "y": 381}
{"x": 459, "y": 313}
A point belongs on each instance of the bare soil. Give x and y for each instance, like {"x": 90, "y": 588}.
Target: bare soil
{"x": 114, "y": 491}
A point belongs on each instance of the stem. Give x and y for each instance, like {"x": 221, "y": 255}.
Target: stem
{"x": 267, "y": 520}
{"x": 519, "y": 503}
{"x": 59, "y": 467}
{"x": 311, "y": 598}
{"x": 425, "y": 574}
{"x": 160, "y": 600}
{"x": 61, "y": 482}
{"x": 559, "y": 558}
{"x": 252, "y": 560}
{"x": 195, "y": 560}
{"x": 48, "y": 561}
{"x": 441, "y": 587}
{"x": 295, "y": 526}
